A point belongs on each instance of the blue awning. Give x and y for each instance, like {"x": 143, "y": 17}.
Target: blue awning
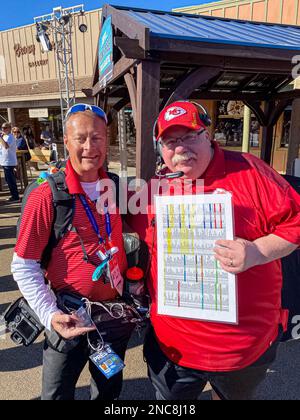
{"x": 209, "y": 29}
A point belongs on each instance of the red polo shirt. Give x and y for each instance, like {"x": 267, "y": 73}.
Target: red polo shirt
{"x": 264, "y": 204}
{"x": 67, "y": 270}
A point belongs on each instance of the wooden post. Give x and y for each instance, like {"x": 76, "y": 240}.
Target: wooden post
{"x": 11, "y": 116}
{"x": 267, "y": 135}
{"x": 267, "y": 144}
{"x": 246, "y": 129}
{"x": 293, "y": 152}
{"x": 148, "y": 87}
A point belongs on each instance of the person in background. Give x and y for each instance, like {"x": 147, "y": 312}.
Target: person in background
{"x": 21, "y": 142}
{"x": 46, "y": 139}
{"x": 8, "y": 160}
{"x": 29, "y": 137}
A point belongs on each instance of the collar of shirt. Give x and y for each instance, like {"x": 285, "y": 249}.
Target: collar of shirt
{"x": 216, "y": 167}
{"x": 73, "y": 182}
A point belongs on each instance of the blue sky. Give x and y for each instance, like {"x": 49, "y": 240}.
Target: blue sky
{"x": 21, "y": 12}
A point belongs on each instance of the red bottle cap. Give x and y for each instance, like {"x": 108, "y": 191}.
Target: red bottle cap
{"x": 134, "y": 274}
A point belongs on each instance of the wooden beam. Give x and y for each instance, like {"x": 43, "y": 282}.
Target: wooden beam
{"x": 131, "y": 86}
{"x": 120, "y": 68}
{"x": 255, "y": 107}
{"x": 88, "y": 92}
{"x": 231, "y": 63}
{"x": 129, "y": 26}
{"x": 294, "y": 144}
{"x": 234, "y": 96}
{"x": 290, "y": 94}
{"x": 242, "y": 52}
{"x": 277, "y": 111}
{"x": 148, "y": 82}
{"x": 117, "y": 108}
{"x": 130, "y": 48}
{"x": 192, "y": 81}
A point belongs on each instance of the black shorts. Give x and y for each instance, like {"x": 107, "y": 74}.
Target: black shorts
{"x": 174, "y": 382}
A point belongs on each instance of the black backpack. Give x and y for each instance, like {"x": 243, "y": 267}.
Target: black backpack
{"x": 63, "y": 203}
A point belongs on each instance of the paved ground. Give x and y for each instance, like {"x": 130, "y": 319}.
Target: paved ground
{"x": 20, "y": 368}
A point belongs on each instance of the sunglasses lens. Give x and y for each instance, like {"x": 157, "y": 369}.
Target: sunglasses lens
{"x": 82, "y": 107}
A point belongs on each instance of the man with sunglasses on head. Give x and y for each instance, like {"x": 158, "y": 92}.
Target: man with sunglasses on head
{"x": 73, "y": 262}
{"x": 8, "y": 160}
{"x": 184, "y": 354}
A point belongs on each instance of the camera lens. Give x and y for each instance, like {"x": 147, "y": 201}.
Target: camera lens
{"x": 16, "y": 338}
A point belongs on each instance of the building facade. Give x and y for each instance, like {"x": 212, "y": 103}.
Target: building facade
{"x": 29, "y": 92}
{"x": 272, "y": 11}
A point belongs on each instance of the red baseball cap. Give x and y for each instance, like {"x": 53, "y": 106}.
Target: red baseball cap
{"x": 180, "y": 113}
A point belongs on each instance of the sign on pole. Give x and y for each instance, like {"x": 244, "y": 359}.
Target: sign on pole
{"x": 106, "y": 53}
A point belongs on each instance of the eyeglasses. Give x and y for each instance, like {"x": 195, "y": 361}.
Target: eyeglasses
{"x": 189, "y": 139}
{"x": 84, "y": 107}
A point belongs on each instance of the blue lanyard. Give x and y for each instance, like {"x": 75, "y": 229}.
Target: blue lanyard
{"x": 93, "y": 221}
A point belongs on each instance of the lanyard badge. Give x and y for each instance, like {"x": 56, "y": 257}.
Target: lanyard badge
{"x": 109, "y": 267}
{"x": 107, "y": 361}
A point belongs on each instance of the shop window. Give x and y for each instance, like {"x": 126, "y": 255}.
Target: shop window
{"x": 287, "y": 115}
{"x": 229, "y": 125}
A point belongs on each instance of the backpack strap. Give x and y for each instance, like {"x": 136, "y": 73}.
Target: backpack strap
{"x": 64, "y": 205}
{"x": 115, "y": 178}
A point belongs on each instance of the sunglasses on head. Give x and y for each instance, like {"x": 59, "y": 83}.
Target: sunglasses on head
{"x": 84, "y": 107}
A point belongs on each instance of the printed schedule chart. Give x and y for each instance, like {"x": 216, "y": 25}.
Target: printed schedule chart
{"x": 191, "y": 283}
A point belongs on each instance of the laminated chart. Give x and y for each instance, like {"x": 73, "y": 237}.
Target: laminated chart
{"x": 191, "y": 283}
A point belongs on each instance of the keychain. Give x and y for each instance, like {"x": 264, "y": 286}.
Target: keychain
{"x": 104, "y": 357}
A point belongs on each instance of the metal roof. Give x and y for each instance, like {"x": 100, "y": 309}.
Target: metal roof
{"x": 216, "y": 30}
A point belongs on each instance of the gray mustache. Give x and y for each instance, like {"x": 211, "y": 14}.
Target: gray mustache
{"x": 181, "y": 158}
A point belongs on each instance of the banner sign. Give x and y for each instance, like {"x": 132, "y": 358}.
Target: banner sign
{"x": 106, "y": 64}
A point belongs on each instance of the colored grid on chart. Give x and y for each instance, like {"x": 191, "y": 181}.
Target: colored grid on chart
{"x": 193, "y": 277}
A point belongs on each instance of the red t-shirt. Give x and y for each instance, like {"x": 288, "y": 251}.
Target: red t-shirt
{"x": 264, "y": 203}
{"x": 67, "y": 269}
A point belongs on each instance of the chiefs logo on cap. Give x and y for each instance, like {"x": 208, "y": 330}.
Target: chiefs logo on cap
{"x": 174, "y": 112}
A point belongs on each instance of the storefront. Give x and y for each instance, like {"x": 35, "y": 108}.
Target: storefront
{"x": 29, "y": 92}
{"x": 227, "y": 128}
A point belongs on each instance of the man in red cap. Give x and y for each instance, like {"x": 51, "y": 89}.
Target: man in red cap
{"x": 184, "y": 354}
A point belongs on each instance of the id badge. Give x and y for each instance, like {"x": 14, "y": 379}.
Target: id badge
{"x": 85, "y": 319}
{"x": 108, "y": 362}
{"x": 115, "y": 276}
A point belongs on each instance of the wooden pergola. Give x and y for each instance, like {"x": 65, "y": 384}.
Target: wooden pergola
{"x": 152, "y": 70}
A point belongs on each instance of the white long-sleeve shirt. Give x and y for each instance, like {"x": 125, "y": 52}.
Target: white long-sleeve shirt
{"x": 30, "y": 277}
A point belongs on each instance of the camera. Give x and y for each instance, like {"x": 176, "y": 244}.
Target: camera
{"x": 22, "y": 322}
